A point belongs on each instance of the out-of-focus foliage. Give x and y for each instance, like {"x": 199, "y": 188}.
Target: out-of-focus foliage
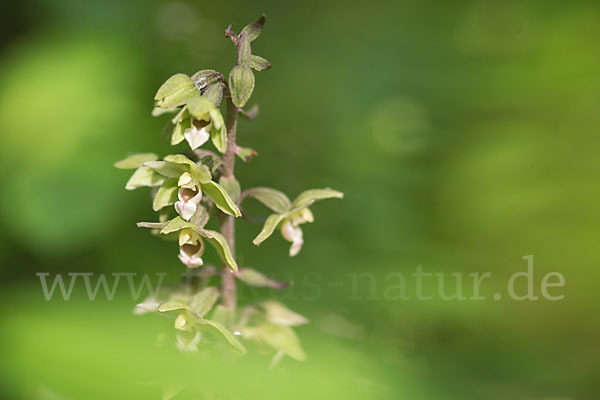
{"x": 463, "y": 134}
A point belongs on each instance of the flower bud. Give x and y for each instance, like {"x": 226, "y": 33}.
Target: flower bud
{"x": 205, "y": 77}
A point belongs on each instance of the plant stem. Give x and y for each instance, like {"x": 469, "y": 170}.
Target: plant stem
{"x": 228, "y": 222}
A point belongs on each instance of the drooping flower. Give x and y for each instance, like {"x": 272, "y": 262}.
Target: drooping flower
{"x": 291, "y": 231}
{"x": 197, "y": 99}
{"x": 198, "y": 121}
{"x": 180, "y": 181}
{"x": 189, "y": 195}
{"x": 191, "y": 236}
{"x": 191, "y": 248}
{"x": 288, "y": 216}
{"x": 198, "y": 133}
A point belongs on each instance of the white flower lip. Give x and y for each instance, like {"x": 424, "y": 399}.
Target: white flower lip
{"x": 188, "y": 201}
{"x": 195, "y": 136}
{"x": 292, "y": 234}
{"x": 186, "y": 210}
{"x": 191, "y": 248}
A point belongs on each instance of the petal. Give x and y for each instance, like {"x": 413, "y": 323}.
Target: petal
{"x": 191, "y": 262}
{"x": 307, "y": 215}
{"x": 292, "y": 234}
{"x": 186, "y": 236}
{"x": 197, "y": 198}
{"x": 186, "y": 195}
{"x": 181, "y": 322}
{"x": 196, "y": 137}
{"x": 295, "y": 247}
{"x": 148, "y": 305}
{"x": 186, "y": 345}
{"x": 186, "y": 181}
{"x": 301, "y": 216}
{"x": 186, "y": 210}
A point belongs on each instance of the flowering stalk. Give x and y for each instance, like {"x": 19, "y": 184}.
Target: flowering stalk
{"x": 187, "y": 192}
{"x": 228, "y": 222}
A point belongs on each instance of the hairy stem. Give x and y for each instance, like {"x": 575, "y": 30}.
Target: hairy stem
{"x": 228, "y": 222}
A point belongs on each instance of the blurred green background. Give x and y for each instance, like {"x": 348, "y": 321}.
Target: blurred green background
{"x": 464, "y": 134}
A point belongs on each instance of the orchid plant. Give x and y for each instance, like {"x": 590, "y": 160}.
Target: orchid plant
{"x": 196, "y": 184}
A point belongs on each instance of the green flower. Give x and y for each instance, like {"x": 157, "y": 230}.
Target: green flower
{"x": 191, "y": 236}
{"x": 180, "y": 181}
{"x": 198, "y": 118}
{"x": 288, "y": 216}
{"x": 175, "y": 92}
{"x": 191, "y": 248}
{"x": 198, "y": 121}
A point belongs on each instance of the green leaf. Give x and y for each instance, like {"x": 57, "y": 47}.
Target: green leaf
{"x": 166, "y": 194}
{"x": 251, "y": 113}
{"x": 199, "y": 107}
{"x": 135, "y": 160}
{"x": 259, "y": 64}
{"x": 177, "y": 134}
{"x": 279, "y": 314}
{"x": 221, "y": 198}
{"x": 157, "y": 111}
{"x": 203, "y": 301}
{"x": 200, "y": 173}
{"x": 272, "y": 198}
{"x": 176, "y": 91}
{"x": 172, "y": 85}
{"x": 225, "y": 316}
{"x": 219, "y": 132}
{"x": 254, "y": 278}
{"x": 144, "y": 176}
{"x": 214, "y": 93}
{"x": 178, "y": 159}
{"x": 225, "y": 333}
{"x": 279, "y": 337}
{"x": 171, "y": 305}
{"x": 177, "y": 224}
{"x": 183, "y": 114}
{"x": 311, "y": 195}
{"x": 245, "y": 153}
{"x": 268, "y": 228}
{"x": 253, "y": 30}
{"x": 151, "y": 225}
{"x": 241, "y": 84}
{"x": 244, "y": 53}
{"x": 219, "y": 139}
{"x": 232, "y": 187}
{"x": 168, "y": 169}
{"x": 219, "y": 242}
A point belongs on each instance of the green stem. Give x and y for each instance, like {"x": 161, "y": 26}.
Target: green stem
{"x": 228, "y": 222}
